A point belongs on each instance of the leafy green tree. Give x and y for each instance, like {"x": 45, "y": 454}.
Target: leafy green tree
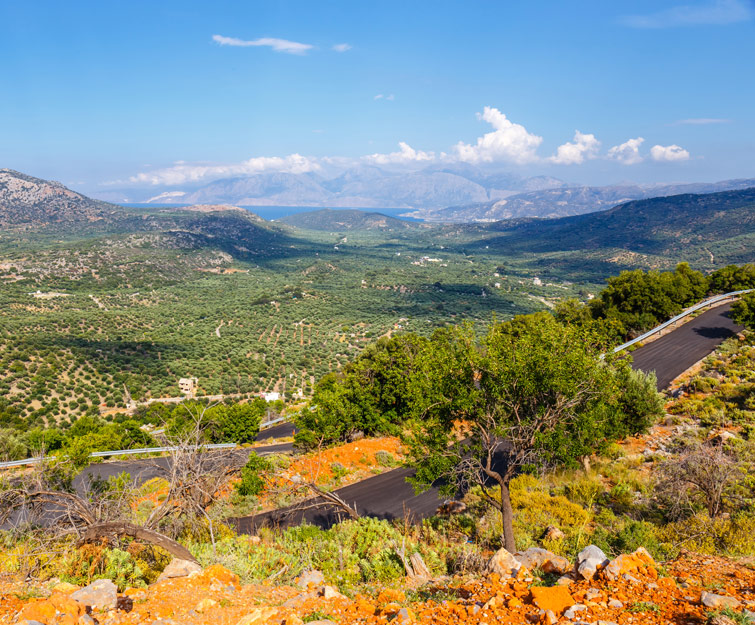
{"x": 12, "y": 446}
{"x": 531, "y": 394}
{"x": 743, "y": 310}
{"x": 372, "y": 395}
{"x": 253, "y": 475}
{"x": 733, "y": 278}
{"x": 238, "y": 423}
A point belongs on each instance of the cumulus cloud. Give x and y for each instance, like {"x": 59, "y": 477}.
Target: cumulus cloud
{"x": 342, "y": 47}
{"x": 582, "y": 148}
{"x": 183, "y": 172}
{"x": 279, "y": 45}
{"x": 627, "y": 153}
{"x": 668, "y": 153}
{"x": 701, "y": 121}
{"x": 719, "y": 12}
{"x": 508, "y": 142}
{"x": 405, "y": 154}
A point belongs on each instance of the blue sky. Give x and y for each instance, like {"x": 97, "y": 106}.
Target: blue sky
{"x": 168, "y": 93}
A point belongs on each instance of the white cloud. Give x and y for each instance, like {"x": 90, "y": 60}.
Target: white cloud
{"x": 389, "y": 97}
{"x": 508, "y": 142}
{"x": 183, "y": 172}
{"x": 628, "y": 153}
{"x": 584, "y": 147}
{"x": 701, "y": 121}
{"x": 342, "y": 47}
{"x": 668, "y": 153}
{"x": 406, "y": 154}
{"x": 279, "y": 45}
{"x": 718, "y": 12}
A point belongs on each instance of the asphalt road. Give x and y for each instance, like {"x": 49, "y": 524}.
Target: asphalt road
{"x": 671, "y": 355}
{"x": 146, "y": 469}
{"x": 386, "y": 496}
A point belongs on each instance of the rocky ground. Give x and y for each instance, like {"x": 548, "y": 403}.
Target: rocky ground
{"x": 631, "y": 590}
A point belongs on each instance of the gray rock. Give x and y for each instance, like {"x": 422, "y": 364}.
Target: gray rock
{"x": 101, "y": 594}
{"x": 85, "y": 619}
{"x": 313, "y": 577}
{"x": 535, "y": 557}
{"x": 615, "y": 603}
{"x": 179, "y": 568}
{"x": 592, "y": 593}
{"x": 590, "y": 560}
{"x": 711, "y": 600}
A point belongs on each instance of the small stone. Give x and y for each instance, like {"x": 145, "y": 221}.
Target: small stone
{"x": 179, "y": 568}
{"x": 101, "y": 594}
{"x": 85, "y": 619}
{"x": 314, "y": 577}
{"x": 572, "y": 612}
{"x": 592, "y": 593}
{"x": 549, "y": 618}
{"x": 615, "y": 603}
{"x": 565, "y": 580}
{"x": 711, "y": 600}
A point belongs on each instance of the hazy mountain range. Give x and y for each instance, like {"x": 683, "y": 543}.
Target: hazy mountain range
{"x": 359, "y": 187}
{"x": 452, "y": 193}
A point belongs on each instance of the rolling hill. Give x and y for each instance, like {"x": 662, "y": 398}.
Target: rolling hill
{"x": 568, "y": 201}
{"x": 707, "y": 230}
{"x": 30, "y": 203}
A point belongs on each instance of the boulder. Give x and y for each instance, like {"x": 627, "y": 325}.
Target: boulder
{"x": 711, "y": 600}
{"x": 179, "y": 568}
{"x": 589, "y": 561}
{"x": 628, "y": 563}
{"x": 504, "y": 564}
{"x": 554, "y": 598}
{"x": 101, "y": 594}
{"x": 535, "y": 557}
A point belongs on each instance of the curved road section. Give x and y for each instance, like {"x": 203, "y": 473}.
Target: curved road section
{"x": 672, "y": 354}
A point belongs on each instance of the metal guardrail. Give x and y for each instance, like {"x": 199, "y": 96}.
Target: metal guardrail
{"x": 131, "y": 452}
{"x": 692, "y": 309}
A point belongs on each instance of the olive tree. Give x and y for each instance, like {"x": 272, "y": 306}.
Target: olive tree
{"x": 531, "y": 394}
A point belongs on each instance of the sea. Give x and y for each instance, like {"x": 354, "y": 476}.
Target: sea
{"x": 271, "y": 213}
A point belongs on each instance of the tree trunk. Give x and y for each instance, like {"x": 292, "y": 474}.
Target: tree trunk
{"x": 107, "y": 530}
{"x": 507, "y": 519}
